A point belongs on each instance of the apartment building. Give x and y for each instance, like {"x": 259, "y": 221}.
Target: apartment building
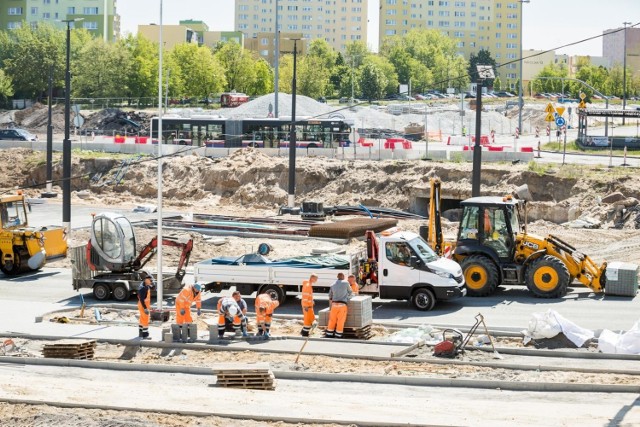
{"x": 172, "y": 35}
{"x": 264, "y": 44}
{"x": 613, "y": 48}
{"x": 337, "y": 21}
{"x": 99, "y": 17}
{"x": 494, "y": 25}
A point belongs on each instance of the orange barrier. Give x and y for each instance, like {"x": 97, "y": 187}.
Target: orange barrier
{"x": 140, "y": 140}
{"x": 526, "y": 149}
{"x": 494, "y": 148}
{"x": 119, "y": 139}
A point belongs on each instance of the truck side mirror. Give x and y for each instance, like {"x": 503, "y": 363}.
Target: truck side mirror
{"x": 415, "y": 261}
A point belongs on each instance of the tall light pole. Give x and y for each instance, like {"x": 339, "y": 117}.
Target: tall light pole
{"x": 484, "y": 72}
{"x": 66, "y": 143}
{"x": 104, "y": 23}
{"x": 292, "y": 131}
{"x": 520, "y": 102}
{"x": 49, "y": 192}
{"x": 276, "y": 83}
{"x": 624, "y": 71}
{"x": 159, "y": 285}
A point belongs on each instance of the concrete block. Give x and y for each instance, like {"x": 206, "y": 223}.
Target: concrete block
{"x": 192, "y": 332}
{"x": 167, "y": 337}
{"x": 359, "y": 313}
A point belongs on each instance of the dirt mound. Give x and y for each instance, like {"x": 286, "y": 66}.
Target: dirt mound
{"x": 114, "y": 119}
{"x": 36, "y": 117}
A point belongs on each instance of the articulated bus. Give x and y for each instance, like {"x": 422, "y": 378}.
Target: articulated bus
{"x": 216, "y": 132}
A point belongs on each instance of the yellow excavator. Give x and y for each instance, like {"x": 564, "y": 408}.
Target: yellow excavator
{"x": 25, "y": 248}
{"x": 494, "y": 248}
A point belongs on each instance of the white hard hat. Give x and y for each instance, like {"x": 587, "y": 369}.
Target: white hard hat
{"x": 233, "y": 310}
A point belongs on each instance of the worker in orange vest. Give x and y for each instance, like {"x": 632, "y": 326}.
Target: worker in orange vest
{"x": 264, "y": 313}
{"x": 187, "y": 296}
{"x": 144, "y": 305}
{"x": 339, "y": 296}
{"x": 354, "y": 285}
{"x": 307, "y": 305}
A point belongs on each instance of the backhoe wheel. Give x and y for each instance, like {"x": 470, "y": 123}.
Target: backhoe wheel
{"x": 481, "y": 275}
{"x": 101, "y": 291}
{"x": 548, "y": 277}
{"x": 423, "y": 299}
{"x": 13, "y": 268}
{"x": 121, "y": 293}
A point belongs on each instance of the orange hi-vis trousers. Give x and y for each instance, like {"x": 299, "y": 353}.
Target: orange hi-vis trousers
{"x": 337, "y": 318}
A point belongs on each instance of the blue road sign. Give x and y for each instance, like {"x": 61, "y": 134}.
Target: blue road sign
{"x": 560, "y": 121}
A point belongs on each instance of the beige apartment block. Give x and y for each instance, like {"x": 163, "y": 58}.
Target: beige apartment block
{"x": 613, "y": 47}
{"x": 337, "y": 21}
{"x": 264, "y": 45}
{"x": 171, "y": 34}
{"x": 494, "y": 25}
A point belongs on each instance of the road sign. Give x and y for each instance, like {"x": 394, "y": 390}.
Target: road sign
{"x": 582, "y": 105}
{"x": 560, "y": 122}
{"x": 560, "y": 110}
{"x": 549, "y": 118}
{"x": 78, "y": 121}
{"x": 582, "y": 95}
{"x": 549, "y": 108}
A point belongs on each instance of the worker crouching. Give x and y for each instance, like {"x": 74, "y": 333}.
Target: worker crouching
{"x": 144, "y": 305}
{"x": 187, "y": 296}
{"x": 229, "y": 310}
{"x": 307, "y": 305}
{"x": 265, "y": 306}
{"x": 339, "y": 296}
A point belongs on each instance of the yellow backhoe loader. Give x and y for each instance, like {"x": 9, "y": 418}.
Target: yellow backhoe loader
{"x": 24, "y": 248}
{"x": 494, "y": 248}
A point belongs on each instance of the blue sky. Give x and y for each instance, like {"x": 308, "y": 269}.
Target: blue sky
{"x": 547, "y": 23}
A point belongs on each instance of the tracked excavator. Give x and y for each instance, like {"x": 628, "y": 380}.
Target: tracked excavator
{"x": 110, "y": 265}
{"x": 494, "y": 248}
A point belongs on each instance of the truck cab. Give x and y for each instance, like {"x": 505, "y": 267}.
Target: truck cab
{"x": 407, "y": 268}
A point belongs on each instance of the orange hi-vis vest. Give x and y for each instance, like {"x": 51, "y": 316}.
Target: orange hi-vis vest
{"x": 307, "y": 294}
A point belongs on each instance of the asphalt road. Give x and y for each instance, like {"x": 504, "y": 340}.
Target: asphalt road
{"x": 509, "y": 308}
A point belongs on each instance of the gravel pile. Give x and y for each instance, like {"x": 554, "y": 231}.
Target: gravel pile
{"x": 259, "y": 108}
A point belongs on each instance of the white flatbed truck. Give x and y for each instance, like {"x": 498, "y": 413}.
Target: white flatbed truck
{"x": 398, "y": 266}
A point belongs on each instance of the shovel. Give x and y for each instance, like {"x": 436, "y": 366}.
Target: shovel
{"x": 313, "y": 327}
{"x": 496, "y": 355}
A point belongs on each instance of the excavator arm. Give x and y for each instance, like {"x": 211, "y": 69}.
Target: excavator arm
{"x": 580, "y": 266}
{"x": 150, "y": 248}
{"x": 434, "y": 235}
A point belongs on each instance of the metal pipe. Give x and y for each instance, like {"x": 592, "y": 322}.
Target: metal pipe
{"x": 477, "y": 153}
{"x": 50, "y": 134}
{"x": 277, "y": 61}
{"x": 624, "y": 71}
{"x": 292, "y": 131}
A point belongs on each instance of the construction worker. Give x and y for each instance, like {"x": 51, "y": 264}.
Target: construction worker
{"x": 354, "y": 285}
{"x": 144, "y": 305}
{"x": 264, "y": 313}
{"x": 307, "y": 305}
{"x": 339, "y": 296}
{"x": 187, "y": 296}
{"x": 229, "y": 309}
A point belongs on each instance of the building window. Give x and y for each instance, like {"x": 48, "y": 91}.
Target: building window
{"x": 14, "y": 25}
{"x": 71, "y": 10}
{"x": 512, "y": 5}
{"x": 443, "y": 13}
{"x": 512, "y": 46}
{"x": 388, "y": 32}
{"x": 46, "y": 1}
{"x": 390, "y": 22}
{"x": 264, "y": 41}
{"x": 46, "y": 15}
{"x": 90, "y": 25}
{"x": 90, "y": 10}
{"x": 512, "y": 26}
{"x": 392, "y": 2}
{"x": 391, "y": 11}
{"x": 34, "y": 11}
{"x": 16, "y": 10}
{"x": 512, "y": 36}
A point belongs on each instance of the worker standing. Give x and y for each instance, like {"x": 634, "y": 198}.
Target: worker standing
{"x": 187, "y": 296}
{"x": 265, "y": 306}
{"x": 307, "y": 305}
{"x": 339, "y": 296}
{"x": 354, "y": 285}
{"x": 144, "y": 305}
{"x": 229, "y": 309}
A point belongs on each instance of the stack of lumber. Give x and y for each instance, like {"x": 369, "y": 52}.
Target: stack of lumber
{"x": 249, "y": 376}
{"x": 363, "y": 333}
{"x": 356, "y": 227}
{"x": 70, "y": 349}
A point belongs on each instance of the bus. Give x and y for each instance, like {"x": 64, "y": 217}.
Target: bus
{"x": 217, "y": 132}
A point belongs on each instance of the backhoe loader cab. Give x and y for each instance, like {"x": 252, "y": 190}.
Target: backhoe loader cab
{"x": 114, "y": 242}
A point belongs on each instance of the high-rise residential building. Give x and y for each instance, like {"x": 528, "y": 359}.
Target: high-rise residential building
{"x": 94, "y": 15}
{"x": 493, "y": 25}
{"x": 613, "y": 46}
{"x": 337, "y": 21}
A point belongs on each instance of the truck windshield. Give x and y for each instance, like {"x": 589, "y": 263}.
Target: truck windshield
{"x": 423, "y": 250}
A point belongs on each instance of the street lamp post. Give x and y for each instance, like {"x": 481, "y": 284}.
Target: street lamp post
{"x": 292, "y": 131}
{"x": 484, "y": 72}
{"x": 624, "y": 70}
{"x": 159, "y": 284}
{"x": 520, "y": 102}
{"x": 66, "y": 143}
{"x": 276, "y": 83}
{"x": 48, "y": 192}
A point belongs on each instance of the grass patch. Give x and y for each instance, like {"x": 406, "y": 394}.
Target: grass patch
{"x": 88, "y": 154}
{"x": 538, "y": 168}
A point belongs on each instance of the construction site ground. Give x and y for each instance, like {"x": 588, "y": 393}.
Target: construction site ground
{"x": 254, "y": 185}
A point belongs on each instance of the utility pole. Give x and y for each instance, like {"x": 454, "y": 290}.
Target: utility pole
{"x": 484, "y": 72}
{"x": 624, "y": 71}
{"x": 292, "y": 131}
{"x": 520, "y": 101}
{"x": 48, "y": 192}
{"x": 159, "y": 280}
{"x": 276, "y": 83}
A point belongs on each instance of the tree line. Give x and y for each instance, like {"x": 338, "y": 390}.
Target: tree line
{"x": 128, "y": 68}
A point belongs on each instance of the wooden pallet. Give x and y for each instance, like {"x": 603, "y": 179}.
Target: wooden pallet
{"x": 69, "y": 349}
{"x": 358, "y": 333}
{"x": 257, "y": 376}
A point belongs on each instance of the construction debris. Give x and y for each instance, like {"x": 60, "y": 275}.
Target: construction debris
{"x": 356, "y": 227}
{"x": 70, "y": 349}
{"x": 551, "y": 323}
{"x": 257, "y": 376}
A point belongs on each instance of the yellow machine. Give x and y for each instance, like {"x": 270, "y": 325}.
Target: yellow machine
{"x": 24, "y": 248}
{"x": 494, "y": 248}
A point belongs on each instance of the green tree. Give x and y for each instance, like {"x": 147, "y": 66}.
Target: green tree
{"x": 497, "y": 84}
{"x": 101, "y": 70}
{"x": 327, "y": 56}
{"x": 355, "y": 53}
{"x": 238, "y": 64}
{"x": 373, "y": 82}
{"x": 142, "y": 78}
{"x": 313, "y": 77}
{"x": 263, "y": 82}
{"x": 6, "y": 87}
{"x": 285, "y": 75}
{"x": 198, "y": 71}
{"x": 551, "y": 82}
{"x": 384, "y": 65}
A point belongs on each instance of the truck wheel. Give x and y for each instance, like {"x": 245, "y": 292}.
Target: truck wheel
{"x": 101, "y": 291}
{"x": 16, "y": 267}
{"x": 423, "y": 299}
{"x": 548, "y": 277}
{"x": 121, "y": 293}
{"x": 480, "y": 275}
{"x": 275, "y": 292}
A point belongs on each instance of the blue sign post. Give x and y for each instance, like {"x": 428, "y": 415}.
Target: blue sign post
{"x": 560, "y": 121}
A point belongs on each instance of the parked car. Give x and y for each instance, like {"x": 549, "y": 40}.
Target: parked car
{"x": 17, "y": 135}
